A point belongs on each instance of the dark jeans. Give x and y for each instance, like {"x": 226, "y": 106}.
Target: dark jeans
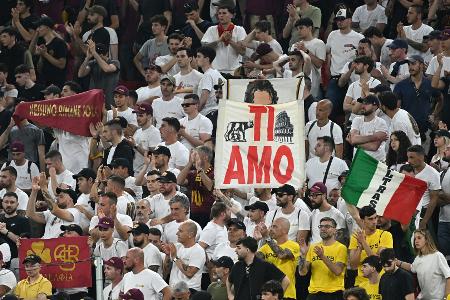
{"x": 326, "y": 296}
{"x": 444, "y": 238}
{"x": 336, "y": 94}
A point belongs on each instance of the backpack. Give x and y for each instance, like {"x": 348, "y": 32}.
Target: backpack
{"x": 315, "y": 122}
{"x": 28, "y": 168}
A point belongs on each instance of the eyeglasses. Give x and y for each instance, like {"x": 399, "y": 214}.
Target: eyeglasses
{"x": 187, "y": 104}
{"x": 315, "y": 195}
{"x": 281, "y": 194}
{"x": 325, "y": 226}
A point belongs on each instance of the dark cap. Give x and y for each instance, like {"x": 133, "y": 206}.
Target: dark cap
{"x": 190, "y": 6}
{"x": 17, "y": 146}
{"x": 318, "y": 187}
{"x": 101, "y": 48}
{"x": 263, "y": 49}
{"x": 153, "y": 67}
{"x": 72, "y": 194}
{"x": 115, "y": 262}
{"x": 435, "y": 34}
{"x": 167, "y": 177}
{"x": 343, "y": 175}
{"x": 143, "y": 108}
{"x": 45, "y": 21}
{"x": 415, "y": 58}
{"x": 169, "y": 78}
{"x": 287, "y": 188}
{"x": 162, "y": 150}
{"x": 398, "y": 43}
{"x": 99, "y": 10}
{"x": 72, "y": 227}
{"x": 223, "y": 262}
{"x": 32, "y": 258}
{"x": 442, "y": 133}
{"x": 380, "y": 88}
{"x": 122, "y": 90}
{"x": 370, "y": 99}
{"x": 237, "y": 223}
{"x": 120, "y": 162}
{"x": 304, "y": 22}
{"x": 85, "y": 173}
{"x": 133, "y": 294}
{"x": 122, "y": 121}
{"x": 258, "y": 205}
{"x": 51, "y": 89}
{"x": 139, "y": 228}
{"x": 342, "y": 14}
{"x": 445, "y": 35}
{"x": 105, "y": 222}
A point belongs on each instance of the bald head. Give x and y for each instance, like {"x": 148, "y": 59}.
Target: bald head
{"x": 136, "y": 254}
{"x": 190, "y": 227}
{"x": 283, "y": 224}
{"x": 324, "y": 109}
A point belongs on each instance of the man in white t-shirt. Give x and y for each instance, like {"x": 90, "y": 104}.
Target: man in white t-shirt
{"x": 211, "y": 77}
{"x": 8, "y": 184}
{"x": 114, "y": 274}
{"x": 179, "y": 154}
{"x": 324, "y": 166}
{"x": 146, "y": 137}
{"x": 195, "y": 127}
{"x": 152, "y": 256}
{"x": 185, "y": 259}
{"x": 187, "y": 79}
{"x": 224, "y": 38}
{"x": 321, "y": 208}
{"x": 168, "y": 189}
{"x": 369, "y": 14}
{"x": 415, "y": 32}
{"x": 341, "y": 48}
{"x": 58, "y": 172}
{"x": 152, "y": 90}
{"x": 25, "y": 168}
{"x": 398, "y": 69}
{"x": 85, "y": 180}
{"x": 168, "y": 63}
{"x": 168, "y": 105}
{"x": 262, "y": 34}
{"x": 108, "y": 246}
{"x": 256, "y": 215}
{"x": 121, "y": 167}
{"x": 121, "y": 108}
{"x": 323, "y": 126}
{"x": 379, "y": 41}
{"x": 401, "y": 120}
{"x": 236, "y": 231}
{"x": 369, "y": 131}
{"x": 138, "y": 277}
{"x": 445, "y": 44}
{"x": 429, "y": 202}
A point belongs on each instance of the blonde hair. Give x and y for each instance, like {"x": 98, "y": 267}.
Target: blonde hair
{"x": 429, "y": 247}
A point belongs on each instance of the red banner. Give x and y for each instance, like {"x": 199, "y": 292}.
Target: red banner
{"x": 65, "y": 261}
{"x": 72, "y": 113}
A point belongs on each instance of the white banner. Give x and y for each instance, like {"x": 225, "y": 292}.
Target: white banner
{"x": 259, "y": 145}
{"x": 282, "y": 89}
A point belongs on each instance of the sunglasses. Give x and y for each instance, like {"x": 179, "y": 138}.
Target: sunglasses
{"x": 187, "y": 104}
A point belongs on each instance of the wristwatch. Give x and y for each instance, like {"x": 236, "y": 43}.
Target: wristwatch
{"x": 307, "y": 51}
{"x": 175, "y": 259}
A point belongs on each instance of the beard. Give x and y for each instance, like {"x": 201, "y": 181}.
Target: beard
{"x": 10, "y": 210}
{"x": 138, "y": 243}
{"x": 367, "y": 113}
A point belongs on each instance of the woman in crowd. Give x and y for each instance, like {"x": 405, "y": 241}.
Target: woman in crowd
{"x": 398, "y": 145}
{"x": 441, "y": 141}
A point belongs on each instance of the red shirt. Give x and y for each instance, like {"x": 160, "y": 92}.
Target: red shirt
{"x": 201, "y": 198}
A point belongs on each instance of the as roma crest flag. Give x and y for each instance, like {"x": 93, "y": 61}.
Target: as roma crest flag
{"x": 65, "y": 261}
{"x": 72, "y": 113}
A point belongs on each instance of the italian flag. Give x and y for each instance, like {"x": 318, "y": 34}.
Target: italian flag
{"x": 392, "y": 194}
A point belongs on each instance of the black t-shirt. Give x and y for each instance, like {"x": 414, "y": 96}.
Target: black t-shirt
{"x": 17, "y": 225}
{"x": 396, "y": 286}
{"x": 12, "y": 58}
{"x": 5, "y": 118}
{"x": 190, "y": 32}
{"x": 28, "y": 22}
{"x": 32, "y": 94}
{"x": 49, "y": 74}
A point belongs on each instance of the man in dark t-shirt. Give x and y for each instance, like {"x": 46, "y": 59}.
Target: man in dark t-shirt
{"x": 29, "y": 91}
{"x": 192, "y": 14}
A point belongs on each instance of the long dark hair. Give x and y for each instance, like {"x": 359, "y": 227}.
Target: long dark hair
{"x": 398, "y": 157}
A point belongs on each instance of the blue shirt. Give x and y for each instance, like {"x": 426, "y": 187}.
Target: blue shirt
{"x": 417, "y": 102}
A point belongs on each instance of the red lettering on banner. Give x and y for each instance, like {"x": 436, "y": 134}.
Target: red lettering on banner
{"x": 235, "y": 161}
{"x": 257, "y": 167}
{"x": 286, "y": 152}
{"x": 259, "y": 111}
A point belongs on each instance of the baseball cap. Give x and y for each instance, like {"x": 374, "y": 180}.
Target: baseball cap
{"x": 122, "y": 90}
{"x": 72, "y": 227}
{"x": 143, "y": 108}
{"x": 168, "y": 77}
{"x": 190, "y": 6}
{"x": 51, "y": 89}
{"x": 398, "y": 43}
{"x": 133, "y": 294}
{"x": 224, "y": 262}
{"x": 45, "y": 21}
{"x": 32, "y": 258}
{"x": 318, "y": 187}
{"x": 99, "y": 10}
{"x": 342, "y": 14}
{"x": 263, "y": 49}
{"x": 120, "y": 162}
{"x": 69, "y": 192}
{"x": 162, "y": 150}
{"x": 442, "y": 133}
{"x": 237, "y": 223}
{"x": 370, "y": 99}
{"x": 17, "y": 146}
{"x": 139, "y": 228}
{"x": 380, "y": 88}
{"x": 415, "y": 58}
{"x": 435, "y": 34}
{"x": 257, "y": 205}
{"x": 115, "y": 262}
{"x": 167, "y": 177}
{"x": 101, "y": 48}
{"x": 445, "y": 35}
{"x": 85, "y": 173}
{"x": 286, "y": 188}
{"x": 105, "y": 222}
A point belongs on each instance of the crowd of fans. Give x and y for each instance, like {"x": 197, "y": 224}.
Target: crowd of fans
{"x": 376, "y": 76}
